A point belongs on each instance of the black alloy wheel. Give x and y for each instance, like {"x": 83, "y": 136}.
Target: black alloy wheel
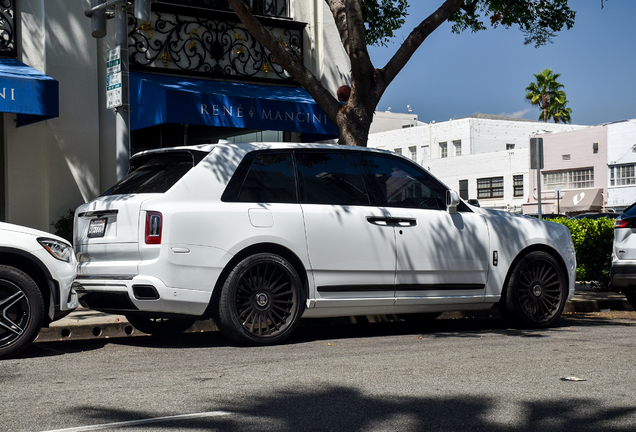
{"x": 536, "y": 293}
{"x": 262, "y": 300}
{"x": 159, "y": 326}
{"x": 21, "y": 311}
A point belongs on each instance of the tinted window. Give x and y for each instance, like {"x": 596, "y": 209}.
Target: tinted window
{"x": 156, "y": 174}
{"x": 332, "y": 178}
{"x": 402, "y": 185}
{"x": 270, "y": 179}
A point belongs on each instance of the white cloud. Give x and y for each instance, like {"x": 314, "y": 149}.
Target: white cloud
{"x": 518, "y": 114}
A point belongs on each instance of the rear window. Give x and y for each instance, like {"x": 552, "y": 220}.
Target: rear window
{"x": 156, "y": 174}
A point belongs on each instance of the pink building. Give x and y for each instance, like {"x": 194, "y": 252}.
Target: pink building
{"x": 575, "y": 163}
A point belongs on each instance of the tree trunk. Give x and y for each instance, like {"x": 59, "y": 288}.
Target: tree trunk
{"x": 354, "y": 123}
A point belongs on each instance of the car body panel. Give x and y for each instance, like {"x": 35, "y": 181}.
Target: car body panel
{"x": 623, "y": 269}
{"x": 15, "y": 239}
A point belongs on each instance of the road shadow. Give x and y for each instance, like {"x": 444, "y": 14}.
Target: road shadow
{"x": 347, "y": 409}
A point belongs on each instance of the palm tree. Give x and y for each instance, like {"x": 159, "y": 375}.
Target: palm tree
{"x": 557, "y": 109}
{"x": 546, "y": 93}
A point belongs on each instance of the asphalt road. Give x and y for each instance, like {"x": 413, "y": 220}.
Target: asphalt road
{"x": 451, "y": 375}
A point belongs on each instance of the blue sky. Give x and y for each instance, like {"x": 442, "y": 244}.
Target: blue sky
{"x": 453, "y": 76}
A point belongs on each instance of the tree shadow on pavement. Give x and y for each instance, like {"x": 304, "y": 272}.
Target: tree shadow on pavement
{"x": 346, "y": 409}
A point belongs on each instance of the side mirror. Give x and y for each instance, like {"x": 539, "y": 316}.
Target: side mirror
{"x": 452, "y": 201}
{"x": 473, "y": 202}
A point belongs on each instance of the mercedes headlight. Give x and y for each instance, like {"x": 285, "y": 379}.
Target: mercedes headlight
{"x": 58, "y": 249}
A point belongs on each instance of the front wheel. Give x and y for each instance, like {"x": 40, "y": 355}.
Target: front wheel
{"x": 159, "y": 326}
{"x": 261, "y": 301}
{"x": 21, "y": 311}
{"x": 536, "y": 292}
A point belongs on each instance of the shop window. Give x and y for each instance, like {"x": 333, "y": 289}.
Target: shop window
{"x": 443, "y": 150}
{"x": 622, "y": 175}
{"x": 492, "y": 187}
{"x": 571, "y": 179}
{"x": 517, "y": 182}
{"x": 458, "y": 147}
{"x": 463, "y": 189}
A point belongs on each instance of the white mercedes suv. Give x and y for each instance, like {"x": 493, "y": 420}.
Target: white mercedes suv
{"x": 258, "y": 235}
{"x": 36, "y": 273}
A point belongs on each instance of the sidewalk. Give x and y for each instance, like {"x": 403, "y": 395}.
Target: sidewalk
{"x": 83, "y": 324}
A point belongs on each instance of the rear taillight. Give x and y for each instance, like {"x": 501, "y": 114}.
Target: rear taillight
{"x": 154, "y": 223}
{"x": 625, "y": 223}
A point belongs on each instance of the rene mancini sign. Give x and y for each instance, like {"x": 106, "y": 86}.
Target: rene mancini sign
{"x": 265, "y": 114}
{"x": 10, "y": 95}
{"x": 157, "y": 99}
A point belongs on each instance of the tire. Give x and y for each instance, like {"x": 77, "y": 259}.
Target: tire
{"x": 261, "y": 301}
{"x": 631, "y": 297}
{"x": 536, "y": 292}
{"x": 21, "y": 311}
{"x": 159, "y": 326}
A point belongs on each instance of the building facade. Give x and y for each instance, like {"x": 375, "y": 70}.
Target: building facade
{"x": 588, "y": 170}
{"x": 196, "y": 76}
{"x": 483, "y": 157}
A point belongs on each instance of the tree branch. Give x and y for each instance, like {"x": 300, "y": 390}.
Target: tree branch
{"x": 414, "y": 41}
{"x": 287, "y": 60}
{"x": 337, "y": 8}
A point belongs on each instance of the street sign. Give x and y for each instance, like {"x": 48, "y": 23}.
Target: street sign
{"x": 536, "y": 153}
{"x": 113, "y": 78}
{"x": 113, "y": 90}
{"x": 113, "y": 61}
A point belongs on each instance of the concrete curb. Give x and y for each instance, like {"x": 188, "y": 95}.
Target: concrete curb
{"x": 85, "y": 324}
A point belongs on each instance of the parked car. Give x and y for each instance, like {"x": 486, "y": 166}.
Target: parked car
{"x": 36, "y": 273}
{"x": 597, "y": 215}
{"x": 258, "y": 235}
{"x": 623, "y": 271}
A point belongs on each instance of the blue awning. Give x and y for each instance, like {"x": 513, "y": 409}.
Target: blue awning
{"x": 27, "y": 92}
{"x": 157, "y": 99}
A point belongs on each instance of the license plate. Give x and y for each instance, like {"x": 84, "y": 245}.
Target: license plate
{"x": 97, "y": 228}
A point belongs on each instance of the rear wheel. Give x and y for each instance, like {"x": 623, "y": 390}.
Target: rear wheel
{"x": 631, "y": 297}
{"x": 536, "y": 293}
{"x": 159, "y": 326}
{"x": 262, "y": 300}
{"x": 21, "y": 310}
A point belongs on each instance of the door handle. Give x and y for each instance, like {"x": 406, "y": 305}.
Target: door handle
{"x": 390, "y": 221}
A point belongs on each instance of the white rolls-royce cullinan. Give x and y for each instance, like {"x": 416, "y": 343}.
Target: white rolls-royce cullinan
{"x": 257, "y": 236}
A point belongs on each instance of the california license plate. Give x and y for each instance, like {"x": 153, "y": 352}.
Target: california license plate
{"x": 97, "y": 228}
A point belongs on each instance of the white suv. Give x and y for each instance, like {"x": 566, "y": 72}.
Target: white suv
{"x": 36, "y": 273}
{"x": 623, "y": 272}
{"x": 258, "y": 235}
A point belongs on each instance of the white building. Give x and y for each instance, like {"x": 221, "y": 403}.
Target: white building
{"x": 483, "y": 157}
{"x": 621, "y": 162}
{"x": 56, "y": 164}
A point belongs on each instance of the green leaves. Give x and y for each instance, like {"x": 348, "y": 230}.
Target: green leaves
{"x": 546, "y": 94}
{"x": 593, "y": 239}
{"x": 382, "y": 18}
{"x": 539, "y": 20}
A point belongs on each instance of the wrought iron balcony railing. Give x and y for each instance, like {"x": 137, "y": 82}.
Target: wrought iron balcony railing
{"x": 7, "y": 29}
{"x": 215, "y": 44}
